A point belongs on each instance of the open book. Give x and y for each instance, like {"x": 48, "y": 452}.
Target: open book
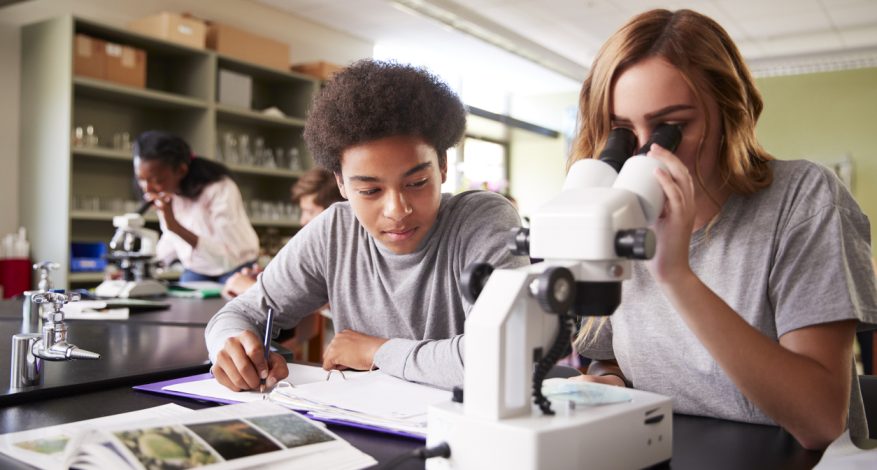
{"x": 371, "y": 400}
{"x": 258, "y": 434}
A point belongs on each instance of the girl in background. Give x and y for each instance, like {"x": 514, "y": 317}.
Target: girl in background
{"x": 202, "y": 216}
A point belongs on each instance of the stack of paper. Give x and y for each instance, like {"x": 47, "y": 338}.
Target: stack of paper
{"x": 93, "y": 310}
{"x": 370, "y": 399}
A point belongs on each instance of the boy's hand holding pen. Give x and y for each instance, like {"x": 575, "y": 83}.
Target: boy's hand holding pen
{"x": 247, "y": 363}
{"x": 267, "y": 345}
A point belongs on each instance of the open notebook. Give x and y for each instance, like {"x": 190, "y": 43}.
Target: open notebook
{"x": 370, "y": 400}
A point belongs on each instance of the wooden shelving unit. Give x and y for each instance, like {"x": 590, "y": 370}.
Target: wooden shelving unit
{"x": 180, "y": 97}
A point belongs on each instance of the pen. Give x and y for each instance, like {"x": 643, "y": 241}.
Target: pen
{"x": 266, "y": 342}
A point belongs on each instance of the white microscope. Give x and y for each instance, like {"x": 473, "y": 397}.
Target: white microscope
{"x": 522, "y": 320}
{"x": 134, "y": 247}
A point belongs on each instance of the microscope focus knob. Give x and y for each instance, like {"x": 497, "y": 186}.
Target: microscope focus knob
{"x": 556, "y": 290}
{"x": 473, "y": 279}
{"x": 519, "y": 241}
{"x": 637, "y": 243}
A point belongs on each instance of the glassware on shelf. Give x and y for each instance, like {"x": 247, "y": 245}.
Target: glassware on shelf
{"x": 91, "y": 139}
{"x": 268, "y": 161}
{"x": 122, "y": 141}
{"x": 79, "y": 137}
{"x": 230, "y": 149}
{"x": 245, "y": 154}
{"x": 295, "y": 163}
{"x": 259, "y": 150}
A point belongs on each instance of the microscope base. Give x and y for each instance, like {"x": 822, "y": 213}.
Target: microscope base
{"x": 130, "y": 289}
{"x": 635, "y": 434}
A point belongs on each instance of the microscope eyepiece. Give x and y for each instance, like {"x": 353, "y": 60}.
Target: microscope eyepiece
{"x": 619, "y": 147}
{"x": 144, "y": 207}
{"x": 665, "y": 135}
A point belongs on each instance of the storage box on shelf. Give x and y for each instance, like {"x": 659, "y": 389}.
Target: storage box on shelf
{"x": 173, "y": 27}
{"x": 112, "y": 62}
{"x": 89, "y": 57}
{"x": 87, "y": 146}
{"x": 319, "y": 70}
{"x": 126, "y": 65}
{"x": 244, "y": 45}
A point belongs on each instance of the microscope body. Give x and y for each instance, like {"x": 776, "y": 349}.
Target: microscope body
{"x": 588, "y": 236}
{"x": 133, "y": 246}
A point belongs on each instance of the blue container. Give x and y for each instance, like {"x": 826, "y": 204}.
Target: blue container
{"x": 87, "y": 257}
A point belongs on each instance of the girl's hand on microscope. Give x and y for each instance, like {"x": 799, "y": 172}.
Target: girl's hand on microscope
{"x": 673, "y": 228}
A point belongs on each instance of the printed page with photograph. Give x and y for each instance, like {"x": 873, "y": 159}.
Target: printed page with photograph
{"x": 46, "y": 447}
{"x": 257, "y": 434}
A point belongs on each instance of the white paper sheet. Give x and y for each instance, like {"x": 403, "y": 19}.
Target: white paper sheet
{"x": 371, "y": 398}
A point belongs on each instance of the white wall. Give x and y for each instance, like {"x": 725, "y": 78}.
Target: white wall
{"x": 538, "y": 163}
{"x": 9, "y": 85}
{"x": 537, "y": 169}
{"x": 308, "y": 42}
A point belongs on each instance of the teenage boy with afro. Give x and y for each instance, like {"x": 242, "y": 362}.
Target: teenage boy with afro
{"x": 390, "y": 258}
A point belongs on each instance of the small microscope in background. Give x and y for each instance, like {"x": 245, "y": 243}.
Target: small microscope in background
{"x": 133, "y": 247}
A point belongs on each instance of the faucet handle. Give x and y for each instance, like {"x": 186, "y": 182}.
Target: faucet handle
{"x": 44, "y": 269}
{"x": 56, "y": 297}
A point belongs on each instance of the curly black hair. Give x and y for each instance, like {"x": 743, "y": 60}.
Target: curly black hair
{"x": 371, "y": 100}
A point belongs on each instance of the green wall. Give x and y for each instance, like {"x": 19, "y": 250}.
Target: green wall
{"x": 825, "y": 115}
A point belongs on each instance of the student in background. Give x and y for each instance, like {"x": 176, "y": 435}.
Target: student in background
{"x": 388, "y": 260}
{"x": 749, "y": 308}
{"x": 202, "y": 216}
{"x": 313, "y": 192}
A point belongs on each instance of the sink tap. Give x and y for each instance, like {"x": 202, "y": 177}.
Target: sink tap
{"x": 31, "y": 319}
{"x": 29, "y": 350}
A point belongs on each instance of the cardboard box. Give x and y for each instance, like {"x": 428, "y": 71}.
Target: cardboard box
{"x": 172, "y": 27}
{"x": 89, "y": 58}
{"x": 126, "y": 65}
{"x": 321, "y": 70}
{"x": 248, "y": 47}
{"x": 235, "y": 89}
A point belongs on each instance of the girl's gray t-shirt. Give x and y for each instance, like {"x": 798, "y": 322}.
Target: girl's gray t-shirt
{"x": 415, "y": 298}
{"x": 794, "y": 254}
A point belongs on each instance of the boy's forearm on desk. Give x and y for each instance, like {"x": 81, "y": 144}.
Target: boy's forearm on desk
{"x": 433, "y": 362}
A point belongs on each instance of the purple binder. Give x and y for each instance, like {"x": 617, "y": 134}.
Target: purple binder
{"x": 158, "y": 387}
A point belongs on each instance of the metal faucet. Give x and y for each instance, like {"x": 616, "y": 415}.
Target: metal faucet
{"x": 44, "y": 269}
{"x": 30, "y": 311}
{"x": 30, "y": 349}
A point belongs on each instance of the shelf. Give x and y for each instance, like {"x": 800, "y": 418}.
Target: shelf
{"x": 139, "y": 96}
{"x": 264, "y": 73}
{"x": 102, "y": 152}
{"x": 83, "y": 277}
{"x": 276, "y": 172}
{"x": 180, "y": 97}
{"x": 87, "y": 277}
{"x": 153, "y": 45}
{"x": 248, "y": 116}
{"x": 274, "y": 223}
{"x": 107, "y": 216}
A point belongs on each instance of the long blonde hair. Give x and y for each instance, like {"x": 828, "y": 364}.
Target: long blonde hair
{"x": 712, "y": 67}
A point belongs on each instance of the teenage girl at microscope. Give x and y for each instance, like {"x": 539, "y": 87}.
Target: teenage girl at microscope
{"x": 200, "y": 210}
